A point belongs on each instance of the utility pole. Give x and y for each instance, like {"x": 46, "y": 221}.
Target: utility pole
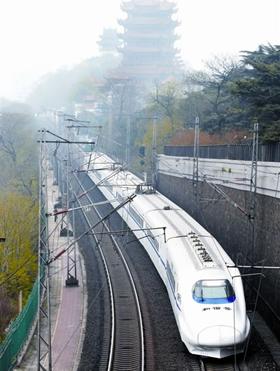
{"x": 253, "y": 186}
{"x": 44, "y": 351}
{"x": 154, "y": 153}
{"x": 195, "y": 159}
{"x": 128, "y": 140}
{"x": 154, "y": 146}
{"x": 5, "y": 262}
{"x": 129, "y": 110}
{"x": 110, "y": 120}
{"x": 71, "y": 279}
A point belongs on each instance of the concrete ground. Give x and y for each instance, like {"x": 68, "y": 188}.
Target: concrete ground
{"x": 68, "y": 304}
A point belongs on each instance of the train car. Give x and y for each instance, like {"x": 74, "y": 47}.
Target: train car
{"x": 205, "y": 290}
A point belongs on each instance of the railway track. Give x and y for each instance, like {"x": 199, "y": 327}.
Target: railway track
{"x": 127, "y": 346}
{"x": 123, "y": 343}
{"x": 210, "y": 365}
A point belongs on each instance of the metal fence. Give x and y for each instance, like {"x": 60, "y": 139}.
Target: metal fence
{"x": 19, "y": 331}
{"x": 243, "y": 152}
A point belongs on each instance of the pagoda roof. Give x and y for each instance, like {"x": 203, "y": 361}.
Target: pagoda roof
{"x": 140, "y": 72}
{"x": 160, "y": 4}
{"x": 147, "y": 21}
{"x": 147, "y": 70}
{"x": 147, "y": 35}
{"x": 117, "y": 76}
{"x": 151, "y": 49}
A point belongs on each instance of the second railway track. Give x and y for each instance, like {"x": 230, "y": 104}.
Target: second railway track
{"x": 210, "y": 365}
{"x": 123, "y": 347}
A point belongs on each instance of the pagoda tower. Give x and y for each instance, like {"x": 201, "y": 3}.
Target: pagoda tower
{"x": 148, "y": 40}
{"x": 109, "y": 41}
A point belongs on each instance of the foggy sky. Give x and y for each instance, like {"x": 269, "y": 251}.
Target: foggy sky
{"x": 38, "y": 36}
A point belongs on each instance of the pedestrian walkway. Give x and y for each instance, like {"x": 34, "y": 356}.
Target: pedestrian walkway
{"x": 68, "y": 304}
{"x": 68, "y": 329}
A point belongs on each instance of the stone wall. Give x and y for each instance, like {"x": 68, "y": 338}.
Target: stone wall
{"x": 233, "y": 230}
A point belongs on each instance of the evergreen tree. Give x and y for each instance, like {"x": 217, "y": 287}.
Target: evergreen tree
{"x": 259, "y": 90}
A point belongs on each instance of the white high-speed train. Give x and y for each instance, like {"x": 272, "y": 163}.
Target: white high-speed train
{"x": 205, "y": 292}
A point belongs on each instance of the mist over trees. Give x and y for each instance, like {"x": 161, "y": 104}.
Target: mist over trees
{"x": 66, "y": 86}
{"x": 18, "y": 154}
{"x": 228, "y": 95}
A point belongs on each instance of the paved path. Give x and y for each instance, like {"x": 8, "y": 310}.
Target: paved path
{"x": 68, "y": 329}
{"x": 68, "y": 304}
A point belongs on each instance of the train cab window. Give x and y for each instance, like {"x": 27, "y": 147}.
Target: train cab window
{"x": 213, "y": 292}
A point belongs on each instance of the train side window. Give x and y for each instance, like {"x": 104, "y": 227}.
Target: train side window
{"x": 153, "y": 240}
{"x": 171, "y": 277}
{"x": 213, "y": 292}
{"x": 138, "y": 219}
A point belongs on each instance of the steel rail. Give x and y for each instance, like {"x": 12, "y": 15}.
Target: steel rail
{"x": 218, "y": 365}
{"x": 133, "y": 286}
{"x": 111, "y": 293}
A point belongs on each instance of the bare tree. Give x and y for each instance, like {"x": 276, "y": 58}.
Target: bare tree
{"x": 17, "y": 148}
{"x": 7, "y": 311}
{"x": 215, "y": 82}
{"x": 166, "y": 97}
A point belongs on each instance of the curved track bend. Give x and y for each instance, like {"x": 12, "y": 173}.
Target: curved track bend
{"x": 123, "y": 341}
{"x": 124, "y": 348}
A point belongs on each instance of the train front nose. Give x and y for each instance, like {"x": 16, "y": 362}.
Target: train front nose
{"x": 219, "y": 336}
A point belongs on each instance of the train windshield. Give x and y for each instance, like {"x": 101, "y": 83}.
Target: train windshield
{"x": 213, "y": 292}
